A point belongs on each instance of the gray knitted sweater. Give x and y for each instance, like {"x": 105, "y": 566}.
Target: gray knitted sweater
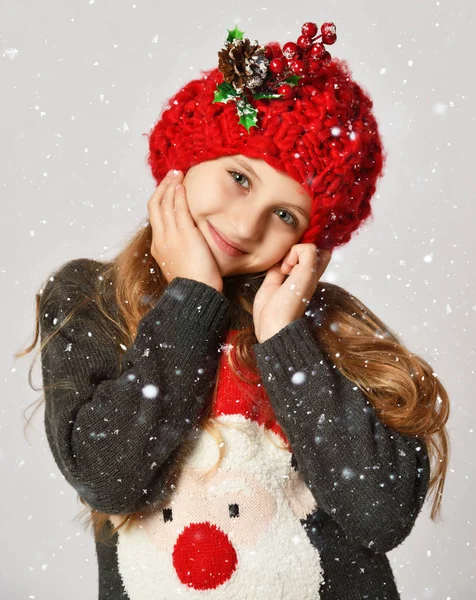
{"x": 312, "y": 522}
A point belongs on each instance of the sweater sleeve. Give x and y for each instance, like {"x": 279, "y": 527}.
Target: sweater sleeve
{"x": 115, "y": 429}
{"x": 370, "y": 479}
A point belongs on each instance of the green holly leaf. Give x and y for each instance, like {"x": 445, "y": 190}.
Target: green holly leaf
{"x": 234, "y": 34}
{"x": 248, "y": 121}
{"x": 247, "y": 113}
{"x": 293, "y": 79}
{"x": 225, "y": 92}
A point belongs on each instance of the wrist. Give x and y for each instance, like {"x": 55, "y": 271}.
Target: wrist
{"x": 267, "y": 333}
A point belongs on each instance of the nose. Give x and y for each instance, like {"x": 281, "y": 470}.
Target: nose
{"x": 204, "y": 556}
{"x": 247, "y": 224}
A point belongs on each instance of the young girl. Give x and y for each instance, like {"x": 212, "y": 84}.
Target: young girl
{"x": 235, "y": 428}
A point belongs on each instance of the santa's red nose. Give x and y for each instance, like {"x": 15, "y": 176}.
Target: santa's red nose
{"x": 203, "y": 556}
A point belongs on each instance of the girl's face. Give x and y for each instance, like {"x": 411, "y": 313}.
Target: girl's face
{"x": 264, "y": 213}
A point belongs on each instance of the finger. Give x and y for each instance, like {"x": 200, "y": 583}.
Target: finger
{"x": 166, "y": 180}
{"x": 306, "y": 254}
{"x": 155, "y": 200}
{"x": 290, "y": 258}
{"x": 159, "y": 190}
{"x": 167, "y": 207}
{"x": 273, "y": 277}
{"x": 174, "y": 178}
{"x": 182, "y": 211}
{"x": 154, "y": 210}
{"x": 322, "y": 263}
{"x": 286, "y": 266}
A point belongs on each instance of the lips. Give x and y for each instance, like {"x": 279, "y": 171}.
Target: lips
{"x": 224, "y": 243}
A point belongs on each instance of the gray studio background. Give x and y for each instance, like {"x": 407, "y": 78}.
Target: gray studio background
{"x": 83, "y": 80}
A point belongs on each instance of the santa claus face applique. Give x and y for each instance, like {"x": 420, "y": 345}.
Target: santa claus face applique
{"x": 233, "y": 532}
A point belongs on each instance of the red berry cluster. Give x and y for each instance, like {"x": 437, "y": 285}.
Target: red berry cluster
{"x": 303, "y": 58}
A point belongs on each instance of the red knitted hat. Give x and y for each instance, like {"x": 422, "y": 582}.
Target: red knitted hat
{"x": 298, "y": 109}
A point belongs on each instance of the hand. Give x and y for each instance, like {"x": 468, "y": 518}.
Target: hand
{"x": 277, "y": 304}
{"x": 178, "y": 245}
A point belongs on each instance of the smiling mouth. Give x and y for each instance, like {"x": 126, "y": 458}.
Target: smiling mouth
{"x": 223, "y": 245}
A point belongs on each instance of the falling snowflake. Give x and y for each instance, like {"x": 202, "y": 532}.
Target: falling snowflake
{"x": 10, "y": 53}
{"x": 348, "y": 473}
{"x": 298, "y": 378}
{"x": 150, "y": 391}
{"x": 227, "y": 348}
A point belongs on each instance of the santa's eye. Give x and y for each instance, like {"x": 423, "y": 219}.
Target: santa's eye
{"x": 167, "y": 512}
{"x": 233, "y": 510}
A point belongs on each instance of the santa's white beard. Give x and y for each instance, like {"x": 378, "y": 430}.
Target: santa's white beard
{"x": 283, "y": 564}
{"x": 276, "y": 560}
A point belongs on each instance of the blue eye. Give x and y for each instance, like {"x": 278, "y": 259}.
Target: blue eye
{"x": 294, "y": 222}
{"x": 240, "y": 174}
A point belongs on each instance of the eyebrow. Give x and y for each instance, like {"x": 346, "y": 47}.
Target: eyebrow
{"x": 251, "y": 171}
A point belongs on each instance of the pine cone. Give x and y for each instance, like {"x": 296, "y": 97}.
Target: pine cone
{"x": 243, "y": 64}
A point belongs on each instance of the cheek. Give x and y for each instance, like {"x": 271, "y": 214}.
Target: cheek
{"x": 205, "y": 198}
{"x": 192, "y": 196}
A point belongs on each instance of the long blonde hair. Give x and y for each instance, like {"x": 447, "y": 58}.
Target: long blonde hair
{"x": 401, "y": 386}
